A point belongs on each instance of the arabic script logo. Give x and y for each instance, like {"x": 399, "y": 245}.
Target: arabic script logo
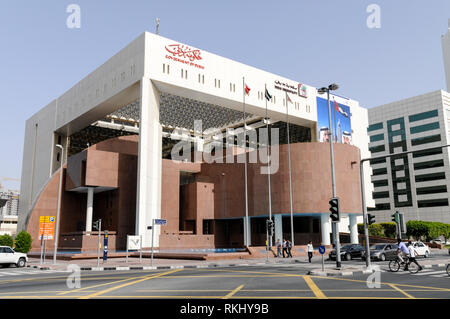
{"x": 302, "y": 90}
{"x": 184, "y": 51}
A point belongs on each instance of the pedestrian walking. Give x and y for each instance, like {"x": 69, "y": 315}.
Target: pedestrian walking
{"x": 289, "y": 248}
{"x": 284, "y": 248}
{"x": 278, "y": 248}
{"x": 310, "y": 250}
{"x": 412, "y": 256}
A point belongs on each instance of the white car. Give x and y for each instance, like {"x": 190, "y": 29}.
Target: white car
{"x": 421, "y": 249}
{"x": 8, "y": 256}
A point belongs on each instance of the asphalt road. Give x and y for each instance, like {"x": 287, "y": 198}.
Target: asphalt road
{"x": 253, "y": 282}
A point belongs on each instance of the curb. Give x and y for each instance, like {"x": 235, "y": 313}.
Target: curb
{"x": 310, "y": 272}
{"x": 149, "y": 267}
{"x": 339, "y": 274}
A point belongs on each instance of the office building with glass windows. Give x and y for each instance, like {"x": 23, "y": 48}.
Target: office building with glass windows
{"x": 417, "y": 183}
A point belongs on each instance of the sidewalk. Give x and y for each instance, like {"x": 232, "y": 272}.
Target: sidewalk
{"x": 158, "y": 263}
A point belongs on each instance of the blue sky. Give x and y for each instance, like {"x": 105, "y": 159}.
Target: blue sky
{"x": 315, "y": 42}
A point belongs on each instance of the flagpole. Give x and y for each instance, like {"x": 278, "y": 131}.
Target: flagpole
{"x": 269, "y": 240}
{"x": 290, "y": 172}
{"x": 246, "y": 239}
{"x": 334, "y": 116}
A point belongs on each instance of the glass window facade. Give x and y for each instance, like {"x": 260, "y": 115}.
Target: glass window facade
{"x": 429, "y": 164}
{"x": 424, "y": 128}
{"x": 378, "y": 137}
{"x": 431, "y": 190}
{"x": 425, "y": 140}
{"x": 379, "y": 171}
{"x": 377, "y": 149}
{"x": 383, "y": 182}
{"x": 374, "y": 127}
{"x": 423, "y": 116}
{"x": 430, "y": 177}
{"x": 430, "y": 152}
{"x": 377, "y": 161}
{"x": 376, "y": 195}
{"x": 432, "y": 202}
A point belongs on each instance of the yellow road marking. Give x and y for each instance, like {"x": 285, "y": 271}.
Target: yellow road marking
{"x": 403, "y": 292}
{"x": 233, "y": 292}
{"x": 182, "y": 290}
{"x": 382, "y": 283}
{"x": 98, "y": 285}
{"x": 317, "y": 292}
{"x": 128, "y": 284}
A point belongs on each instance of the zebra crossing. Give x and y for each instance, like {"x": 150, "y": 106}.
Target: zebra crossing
{"x": 22, "y": 272}
{"x": 432, "y": 272}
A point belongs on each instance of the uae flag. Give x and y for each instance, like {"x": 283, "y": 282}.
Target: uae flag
{"x": 268, "y": 96}
{"x": 339, "y": 109}
{"x": 247, "y": 89}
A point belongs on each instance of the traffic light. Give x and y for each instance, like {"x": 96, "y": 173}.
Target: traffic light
{"x": 334, "y": 209}
{"x": 270, "y": 227}
{"x": 395, "y": 217}
{"x": 370, "y": 219}
{"x": 96, "y": 225}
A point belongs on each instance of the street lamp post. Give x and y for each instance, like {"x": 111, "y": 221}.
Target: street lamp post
{"x": 55, "y": 249}
{"x": 334, "y": 225}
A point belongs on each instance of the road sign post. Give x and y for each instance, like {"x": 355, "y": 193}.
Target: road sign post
{"x": 45, "y": 247}
{"x": 153, "y": 235}
{"x": 98, "y": 226}
{"x": 322, "y": 252}
{"x": 140, "y": 250}
{"x": 161, "y": 222}
{"x": 126, "y": 260}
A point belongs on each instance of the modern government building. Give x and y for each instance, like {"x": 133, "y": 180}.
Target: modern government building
{"x": 157, "y": 132}
{"x": 154, "y": 133}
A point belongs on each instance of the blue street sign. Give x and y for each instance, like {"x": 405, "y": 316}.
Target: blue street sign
{"x": 160, "y": 221}
{"x": 322, "y": 250}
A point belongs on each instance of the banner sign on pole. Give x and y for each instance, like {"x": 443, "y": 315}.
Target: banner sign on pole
{"x": 47, "y": 227}
{"x": 134, "y": 243}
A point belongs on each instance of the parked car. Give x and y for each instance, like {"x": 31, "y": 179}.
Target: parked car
{"x": 8, "y": 257}
{"x": 348, "y": 252}
{"x": 421, "y": 249}
{"x": 382, "y": 251}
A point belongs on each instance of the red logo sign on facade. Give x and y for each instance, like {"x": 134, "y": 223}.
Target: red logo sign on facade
{"x": 184, "y": 54}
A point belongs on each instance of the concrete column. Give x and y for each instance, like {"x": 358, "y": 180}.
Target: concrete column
{"x": 278, "y": 219}
{"x": 325, "y": 228}
{"x": 353, "y": 229}
{"x": 148, "y": 204}
{"x": 89, "y": 209}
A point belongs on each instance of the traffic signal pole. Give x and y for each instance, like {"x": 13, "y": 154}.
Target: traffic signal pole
{"x": 334, "y": 225}
{"x": 364, "y": 210}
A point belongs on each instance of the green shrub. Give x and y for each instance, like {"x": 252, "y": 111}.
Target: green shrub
{"x": 23, "y": 242}
{"x": 389, "y": 229}
{"x": 427, "y": 230}
{"x": 376, "y": 230}
{"x": 6, "y": 240}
